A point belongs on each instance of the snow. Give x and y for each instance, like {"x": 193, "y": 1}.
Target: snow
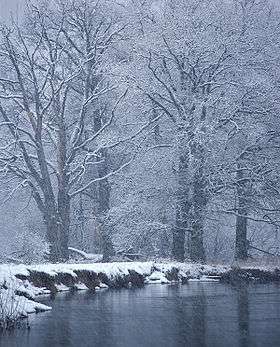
{"x": 103, "y": 285}
{"x": 80, "y": 286}
{"x": 110, "y": 269}
{"x": 25, "y": 287}
{"x": 14, "y": 306}
{"x": 204, "y": 279}
{"x": 62, "y": 288}
{"x": 157, "y": 277}
{"x": 153, "y": 272}
{"x": 18, "y": 295}
{"x": 88, "y": 256}
{"x": 191, "y": 270}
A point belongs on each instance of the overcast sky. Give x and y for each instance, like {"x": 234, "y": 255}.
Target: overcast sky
{"x": 6, "y": 6}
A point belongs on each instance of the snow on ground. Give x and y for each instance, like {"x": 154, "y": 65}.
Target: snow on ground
{"x": 110, "y": 269}
{"x": 191, "y": 270}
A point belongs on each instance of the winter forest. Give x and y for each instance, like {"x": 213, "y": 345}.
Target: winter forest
{"x": 140, "y": 127}
{"x": 139, "y": 144}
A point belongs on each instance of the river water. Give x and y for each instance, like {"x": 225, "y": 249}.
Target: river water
{"x": 196, "y": 314}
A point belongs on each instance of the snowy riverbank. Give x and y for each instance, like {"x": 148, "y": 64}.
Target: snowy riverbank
{"x": 21, "y": 284}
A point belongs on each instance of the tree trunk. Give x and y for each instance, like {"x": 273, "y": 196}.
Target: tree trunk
{"x": 241, "y": 247}
{"x": 59, "y": 221}
{"x": 199, "y": 201}
{"x": 241, "y": 243}
{"x": 182, "y": 200}
{"x": 178, "y": 242}
{"x": 103, "y": 208}
{"x": 80, "y": 226}
{"x": 103, "y": 202}
{"x": 57, "y": 225}
{"x": 64, "y": 224}
{"x": 196, "y": 247}
{"x": 52, "y": 236}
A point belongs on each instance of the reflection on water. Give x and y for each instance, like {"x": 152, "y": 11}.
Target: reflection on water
{"x": 243, "y": 315}
{"x": 197, "y": 314}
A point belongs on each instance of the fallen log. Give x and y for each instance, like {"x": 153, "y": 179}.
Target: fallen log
{"x": 87, "y": 256}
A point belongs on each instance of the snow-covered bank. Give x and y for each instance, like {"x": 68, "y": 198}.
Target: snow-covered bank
{"x": 21, "y": 284}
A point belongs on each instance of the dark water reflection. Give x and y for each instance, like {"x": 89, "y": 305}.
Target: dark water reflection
{"x": 209, "y": 314}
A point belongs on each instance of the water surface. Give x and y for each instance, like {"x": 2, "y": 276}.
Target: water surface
{"x": 197, "y": 314}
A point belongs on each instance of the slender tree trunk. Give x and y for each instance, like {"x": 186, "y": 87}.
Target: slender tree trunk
{"x": 103, "y": 208}
{"x": 241, "y": 243}
{"x": 103, "y": 202}
{"x": 64, "y": 223}
{"x": 80, "y": 227}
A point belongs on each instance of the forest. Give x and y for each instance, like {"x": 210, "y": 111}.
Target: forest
{"x": 140, "y": 130}
{"x": 139, "y": 173}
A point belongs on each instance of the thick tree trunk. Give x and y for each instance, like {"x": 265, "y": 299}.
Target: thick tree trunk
{"x": 196, "y": 247}
{"x": 57, "y": 225}
{"x": 52, "y": 236}
{"x": 182, "y": 200}
{"x": 57, "y": 216}
{"x": 178, "y": 242}
{"x": 241, "y": 247}
{"x": 199, "y": 201}
{"x": 241, "y": 243}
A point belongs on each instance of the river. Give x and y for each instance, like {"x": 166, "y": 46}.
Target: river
{"x": 196, "y": 314}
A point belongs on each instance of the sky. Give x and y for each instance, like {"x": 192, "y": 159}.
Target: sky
{"x": 6, "y": 6}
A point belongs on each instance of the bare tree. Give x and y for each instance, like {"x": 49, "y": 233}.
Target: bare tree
{"x": 189, "y": 68}
{"x": 52, "y": 84}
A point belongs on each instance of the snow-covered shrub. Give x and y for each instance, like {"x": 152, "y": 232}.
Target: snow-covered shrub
{"x": 9, "y": 308}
